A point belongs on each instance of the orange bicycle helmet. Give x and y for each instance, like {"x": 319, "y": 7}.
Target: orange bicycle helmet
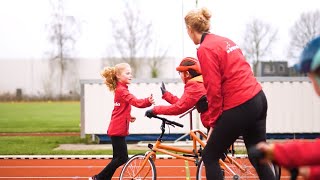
{"x": 189, "y": 63}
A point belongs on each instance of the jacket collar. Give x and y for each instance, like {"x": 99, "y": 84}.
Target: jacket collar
{"x": 122, "y": 84}
{"x": 197, "y": 78}
{"x": 203, "y": 36}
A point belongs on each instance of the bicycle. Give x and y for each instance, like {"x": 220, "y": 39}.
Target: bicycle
{"x": 141, "y": 166}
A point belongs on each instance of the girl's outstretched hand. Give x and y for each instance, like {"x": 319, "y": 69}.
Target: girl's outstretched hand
{"x": 133, "y": 119}
{"x": 151, "y": 100}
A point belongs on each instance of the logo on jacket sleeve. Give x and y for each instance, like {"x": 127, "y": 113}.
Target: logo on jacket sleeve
{"x": 116, "y": 104}
{"x": 231, "y": 48}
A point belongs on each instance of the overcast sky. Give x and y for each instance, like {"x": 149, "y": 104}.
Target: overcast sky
{"x": 23, "y": 33}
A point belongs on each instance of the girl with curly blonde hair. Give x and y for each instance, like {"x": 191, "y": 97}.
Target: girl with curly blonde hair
{"x": 117, "y": 79}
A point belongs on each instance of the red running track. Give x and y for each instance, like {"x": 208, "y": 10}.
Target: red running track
{"x": 61, "y": 168}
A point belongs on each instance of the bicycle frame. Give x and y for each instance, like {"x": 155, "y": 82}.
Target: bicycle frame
{"x": 192, "y": 154}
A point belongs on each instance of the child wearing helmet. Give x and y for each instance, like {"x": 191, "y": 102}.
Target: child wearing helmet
{"x": 194, "y": 93}
{"x": 302, "y": 155}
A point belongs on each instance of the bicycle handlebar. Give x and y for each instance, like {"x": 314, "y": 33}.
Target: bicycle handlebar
{"x": 166, "y": 121}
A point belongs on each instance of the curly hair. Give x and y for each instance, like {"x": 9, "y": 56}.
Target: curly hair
{"x": 198, "y": 20}
{"x": 110, "y": 75}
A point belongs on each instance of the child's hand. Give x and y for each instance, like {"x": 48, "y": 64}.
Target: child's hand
{"x": 163, "y": 88}
{"x": 304, "y": 172}
{"x": 149, "y": 113}
{"x": 133, "y": 119}
{"x": 151, "y": 100}
{"x": 267, "y": 149}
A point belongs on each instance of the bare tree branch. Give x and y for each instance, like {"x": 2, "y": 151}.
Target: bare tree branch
{"x": 63, "y": 31}
{"x": 133, "y": 39}
{"x": 304, "y": 29}
{"x": 258, "y": 41}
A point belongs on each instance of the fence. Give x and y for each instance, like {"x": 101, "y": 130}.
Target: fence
{"x": 293, "y": 106}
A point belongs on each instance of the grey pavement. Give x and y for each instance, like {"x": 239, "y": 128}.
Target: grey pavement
{"x": 136, "y": 146}
{"x": 96, "y": 147}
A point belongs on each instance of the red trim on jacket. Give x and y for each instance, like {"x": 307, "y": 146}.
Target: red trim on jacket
{"x": 193, "y": 91}
{"x": 120, "y": 118}
{"x": 227, "y": 75}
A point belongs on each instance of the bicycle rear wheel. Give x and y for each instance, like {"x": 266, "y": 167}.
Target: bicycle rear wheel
{"x": 201, "y": 172}
{"x": 250, "y": 172}
{"x": 131, "y": 169}
{"x": 276, "y": 170}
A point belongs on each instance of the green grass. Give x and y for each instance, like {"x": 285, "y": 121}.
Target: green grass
{"x": 40, "y": 117}
{"x": 37, "y": 145}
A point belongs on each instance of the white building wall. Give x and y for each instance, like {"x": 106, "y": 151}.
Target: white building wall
{"x": 25, "y": 74}
{"x": 31, "y": 75}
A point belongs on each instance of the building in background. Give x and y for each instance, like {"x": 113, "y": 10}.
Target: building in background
{"x": 272, "y": 68}
{"x": 32, "y": 77}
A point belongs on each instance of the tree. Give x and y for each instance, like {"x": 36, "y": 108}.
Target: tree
{"x": 156, "y": 61}
{"x": 133, "y": 40}
{"x": 258, "y": 40}
{"x": 63, "y": 31}
{"x": 304, "y": 29}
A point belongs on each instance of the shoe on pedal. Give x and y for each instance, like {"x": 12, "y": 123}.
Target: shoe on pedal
{"x": 93, "y": 178}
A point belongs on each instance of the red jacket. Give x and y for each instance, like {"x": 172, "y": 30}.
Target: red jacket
{"x": 299, "y": 153}
{"x": 227, "y": 75}
{"x": 193, "y": 91}
{"x": 120, "y": 118}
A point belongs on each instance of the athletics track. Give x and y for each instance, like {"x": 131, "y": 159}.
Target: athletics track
{"x": 82, "y": 167}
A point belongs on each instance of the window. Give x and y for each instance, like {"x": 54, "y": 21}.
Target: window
{"x": 268, "y": 68}
{"x": 282, "y": 68}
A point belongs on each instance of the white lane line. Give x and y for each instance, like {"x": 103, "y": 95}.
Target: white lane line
{"x": 160, "y": 156}
{"x": 9, "y": 167}
{"x": 81, "y": 177}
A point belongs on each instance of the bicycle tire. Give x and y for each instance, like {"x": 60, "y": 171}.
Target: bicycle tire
{"x": 276, "y": 170}
{"x": 132, "y": 166}
{"x": 250, "y": 172}
{"x": 201, "y": 173}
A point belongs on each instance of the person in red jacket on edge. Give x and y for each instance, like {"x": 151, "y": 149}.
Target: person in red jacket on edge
{"x": 117, "y": 79}
{"x": 237, "y": 104}
{"x": 298, "y": 154}
{"x": 194, "y": 93}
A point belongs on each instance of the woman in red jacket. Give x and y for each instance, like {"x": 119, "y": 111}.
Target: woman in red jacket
{"x": 117, "y": 79}
{"x": 237, "y": 104}
{"x": 194, "y": 93}
{"x": 303, "y": 155}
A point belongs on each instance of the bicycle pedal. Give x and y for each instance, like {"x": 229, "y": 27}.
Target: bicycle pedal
{"x": 150, "y": 146}
{"x": 189, "y": 155}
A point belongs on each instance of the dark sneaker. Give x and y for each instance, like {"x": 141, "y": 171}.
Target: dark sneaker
{"x": 93, "y": 178}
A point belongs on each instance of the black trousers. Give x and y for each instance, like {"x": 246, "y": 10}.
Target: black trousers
{"x": 247, "y": 120}
{"x": 120, "y": 156}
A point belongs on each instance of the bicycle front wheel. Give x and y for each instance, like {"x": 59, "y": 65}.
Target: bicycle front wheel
{"x": 134, "y": 169}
